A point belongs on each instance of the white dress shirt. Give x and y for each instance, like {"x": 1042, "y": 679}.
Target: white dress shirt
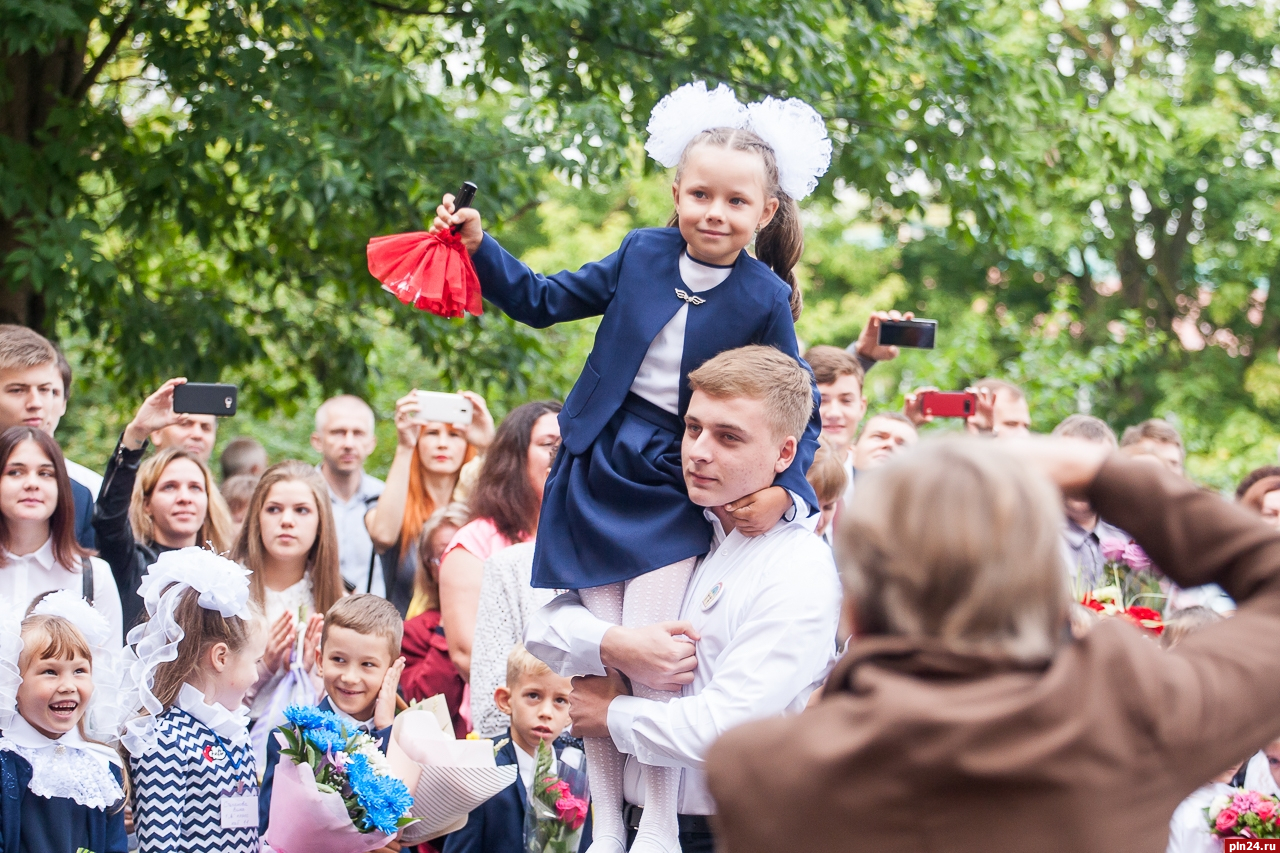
{"x": 355, "y": 548}
{"x": 658, "y": 379}
{"x": 24, "y": 578}
{"x": 767, "y": 609}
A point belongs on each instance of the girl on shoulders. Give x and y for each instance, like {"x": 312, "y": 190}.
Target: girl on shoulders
{"x": 615, "y": 509}
{"x": 60, "y": 792}
{"x": 195, "y": 780}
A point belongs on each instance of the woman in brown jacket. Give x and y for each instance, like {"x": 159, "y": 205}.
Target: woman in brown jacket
{"x": 964, "y": 717}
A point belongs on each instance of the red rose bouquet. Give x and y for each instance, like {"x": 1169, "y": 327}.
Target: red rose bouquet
{"x": 1246, "y": 814}
{"x": 559, "y": 802}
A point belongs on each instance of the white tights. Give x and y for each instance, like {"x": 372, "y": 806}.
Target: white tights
{"x": 651, "y": 598}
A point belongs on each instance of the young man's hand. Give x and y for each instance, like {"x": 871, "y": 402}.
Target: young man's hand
{"x": 868, "y": 345}
{"x": 384, "y": 712}
{"x": 758, "y": 512}
{"x": 471, "y": 232}
{"x": 659, "y": 656}
{"x": 589, "y": 702}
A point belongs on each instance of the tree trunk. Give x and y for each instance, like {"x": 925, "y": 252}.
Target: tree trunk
{"x": 35, "y": 84}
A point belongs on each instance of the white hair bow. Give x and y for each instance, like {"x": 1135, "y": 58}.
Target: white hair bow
{"x": 223, "y": 586}
{"x": 792, "y": 128}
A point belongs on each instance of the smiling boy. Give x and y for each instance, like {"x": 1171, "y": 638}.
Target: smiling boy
{"x": 359, "y": 661}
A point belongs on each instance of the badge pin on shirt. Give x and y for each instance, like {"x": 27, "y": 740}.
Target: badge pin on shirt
{"x": 712, "y": 596}
{"x": 215, "y": 754}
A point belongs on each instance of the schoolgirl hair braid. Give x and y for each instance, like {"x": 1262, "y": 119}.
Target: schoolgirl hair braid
{"x": 780, "y": 244}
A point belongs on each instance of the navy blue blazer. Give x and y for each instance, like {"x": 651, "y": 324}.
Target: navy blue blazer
{"x": 382, "y": 736}
{"x": 634, "y": 290}
{"x": 84, "y": 516}
{"x": 497, "y": 825}
{"x": 52, "y": 824}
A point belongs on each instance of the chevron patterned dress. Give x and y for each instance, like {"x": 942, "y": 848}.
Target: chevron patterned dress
{"x": 178, "y": 790}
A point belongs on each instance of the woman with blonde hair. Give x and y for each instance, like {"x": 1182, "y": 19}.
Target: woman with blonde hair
{"x": 966, "y": 710}
{"x": 146, "y": 508}
{"x": 290, "y": 543}
{"x": 424, "y": 477}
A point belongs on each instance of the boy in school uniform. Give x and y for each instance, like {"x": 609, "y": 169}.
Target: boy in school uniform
{"x": 359, "y": 661}
{"x": 537, "y": 701}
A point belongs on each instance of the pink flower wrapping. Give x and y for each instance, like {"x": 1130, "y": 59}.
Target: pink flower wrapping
{"x": 305, "y": 819}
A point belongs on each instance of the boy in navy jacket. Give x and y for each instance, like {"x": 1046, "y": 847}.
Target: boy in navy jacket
{"x": 537, "y": 701}
{"x": 359, "y": 660}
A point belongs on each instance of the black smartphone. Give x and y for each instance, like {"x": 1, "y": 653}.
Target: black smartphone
{"x": 205, "y": 398}
{"x": 919, "y": 334}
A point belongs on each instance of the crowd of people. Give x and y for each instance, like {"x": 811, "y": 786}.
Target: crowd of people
{"x": 771, "y": 618}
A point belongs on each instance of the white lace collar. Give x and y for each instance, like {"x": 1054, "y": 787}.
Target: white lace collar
{"x": 68, "y": 766}
{"x": 233, "y": 726}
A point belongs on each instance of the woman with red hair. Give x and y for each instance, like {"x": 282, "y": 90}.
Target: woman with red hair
{"x": 424, "y": 477}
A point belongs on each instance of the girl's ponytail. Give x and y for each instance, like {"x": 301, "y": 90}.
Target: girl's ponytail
{"x": 780, "y": 244}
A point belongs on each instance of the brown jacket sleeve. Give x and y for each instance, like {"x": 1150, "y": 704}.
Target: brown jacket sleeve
{"x": 1215, "y": 698}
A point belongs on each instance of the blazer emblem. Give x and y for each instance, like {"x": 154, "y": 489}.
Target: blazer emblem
{"x": 692, "y": 300}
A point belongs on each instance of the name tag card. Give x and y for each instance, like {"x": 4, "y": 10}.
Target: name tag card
{"x": 239, "y": 812}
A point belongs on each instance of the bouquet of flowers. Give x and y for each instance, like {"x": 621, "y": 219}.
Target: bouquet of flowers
{"x": 558, "y": 804}
{"x": 1246, "y": 814}
{"x": 336, "y": 794}
{"x": 1129, "y": 577}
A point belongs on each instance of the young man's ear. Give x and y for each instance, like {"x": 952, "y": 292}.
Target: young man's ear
{"x": 502, "y": 698}
{"x": 219, "y": 655}
{"x": 786, "y": 454}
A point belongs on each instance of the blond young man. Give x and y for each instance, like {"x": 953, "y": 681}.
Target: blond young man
{"x": 762, "y": 611}
{"x": 32, "y": 394}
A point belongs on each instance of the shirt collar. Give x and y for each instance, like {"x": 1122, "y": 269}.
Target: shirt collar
{"x": 42, "y": 556}
{"x": 25, "y": 735}
{"x": 350, "y": 721}
{"x": 232, "y": 725}
{"x": 368, "y": 487}
{"x": 718, "y": 535}
{"x": 1076, "y": 535}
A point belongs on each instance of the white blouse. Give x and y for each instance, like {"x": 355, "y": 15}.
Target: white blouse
{"x": 658, "y": 379}
{"x": 23, "y": 578}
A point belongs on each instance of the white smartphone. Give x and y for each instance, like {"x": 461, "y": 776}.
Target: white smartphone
{"x": 438, "y": 407}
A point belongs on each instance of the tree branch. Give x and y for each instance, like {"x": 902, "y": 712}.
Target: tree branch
{"x": 113, "y": 42}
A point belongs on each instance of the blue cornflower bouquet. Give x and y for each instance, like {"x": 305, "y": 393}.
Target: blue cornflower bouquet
{"x": 334, "y": 782}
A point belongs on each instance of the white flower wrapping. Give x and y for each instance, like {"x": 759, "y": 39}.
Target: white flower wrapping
{"x": 792, "y": 128}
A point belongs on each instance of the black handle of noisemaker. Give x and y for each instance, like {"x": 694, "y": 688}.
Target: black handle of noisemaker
{"x": 466, "y": 194}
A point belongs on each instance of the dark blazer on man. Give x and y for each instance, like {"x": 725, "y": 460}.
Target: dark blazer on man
{"x": 497, "y": 825}
{"x": 920, "y": 746}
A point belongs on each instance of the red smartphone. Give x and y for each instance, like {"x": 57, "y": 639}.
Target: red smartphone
{"x": 948, "y": 404}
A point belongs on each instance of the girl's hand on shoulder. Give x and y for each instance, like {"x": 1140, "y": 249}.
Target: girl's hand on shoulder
{"x": 384, "y": 711}
{"x": 471, "y": 231}
{"x": 280, "y": 643}
{"x": 758, "y": 512}
{"x": 481, "y": 430}
{"x": 407, "y": 426}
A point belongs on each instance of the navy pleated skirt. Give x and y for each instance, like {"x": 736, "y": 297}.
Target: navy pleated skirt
{"x": 621, "y": 509}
